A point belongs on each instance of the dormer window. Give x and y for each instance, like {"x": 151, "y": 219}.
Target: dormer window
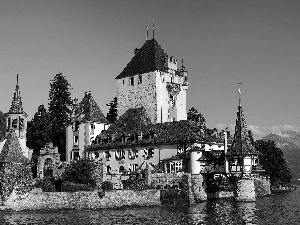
{"x": 131, "y": 81}
{"x": 120, "y": 154}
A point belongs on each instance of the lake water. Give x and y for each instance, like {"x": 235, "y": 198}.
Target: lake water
{"x": 282, "y": 208}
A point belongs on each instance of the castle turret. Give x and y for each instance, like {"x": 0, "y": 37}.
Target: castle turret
{"x": 16, "y": 119}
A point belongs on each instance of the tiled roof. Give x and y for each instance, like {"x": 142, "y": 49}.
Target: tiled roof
{"x": 89, "y": 110}
{"x": 12, "y": 151}
{"x": 134, "y": 123}
{"x": 149, "y": 58}
{"x": 241, "y": 144}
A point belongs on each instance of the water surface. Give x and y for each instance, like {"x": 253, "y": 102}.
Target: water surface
{"x": 282, "y": 208}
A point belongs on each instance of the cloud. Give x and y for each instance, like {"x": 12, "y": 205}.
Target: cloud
{"x": 259, "y": 132}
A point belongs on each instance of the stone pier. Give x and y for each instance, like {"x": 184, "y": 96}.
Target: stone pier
{"x": 198, "y": 188}
{"x": 245, "y": 190}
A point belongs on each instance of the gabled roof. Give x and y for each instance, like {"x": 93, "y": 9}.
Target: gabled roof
{"x": 149, "y": 58}
{"x": 241, "y": 144}
{"x": 89, "y": 110}
{"x": 12, "y": 151}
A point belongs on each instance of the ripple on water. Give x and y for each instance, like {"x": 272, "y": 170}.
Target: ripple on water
{"x": 281, "y": 208}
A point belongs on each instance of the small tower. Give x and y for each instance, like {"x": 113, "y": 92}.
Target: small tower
{"x": 16, "y": 119}
{"x": 87, "y": 122}
{"x": 242, "y": 156}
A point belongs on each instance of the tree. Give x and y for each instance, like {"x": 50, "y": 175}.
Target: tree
{"x": 273, "y": 162}
{"x": 38, "y": 131}
{"x": 38, "y": 134}
{"x": 112, "y": 114}
{"x": 2, "y": 125}
{"x": 81, "y": 172}
{"x": 60, "y": 104}
{"x": 195, "y": 116}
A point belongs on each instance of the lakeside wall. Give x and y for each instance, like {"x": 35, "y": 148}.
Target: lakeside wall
{"x": 82, "y": 200}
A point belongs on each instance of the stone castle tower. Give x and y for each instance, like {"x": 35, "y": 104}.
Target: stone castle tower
{"x": 16, "y": 120}
{"x": 153, "y": 80}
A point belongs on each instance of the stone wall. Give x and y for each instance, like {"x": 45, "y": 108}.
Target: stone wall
{"x": 138, "y": 95}
{"x": 220, "y": 195}
{"x": 262, "y": 187}
{"x": 165, "y": 180}
{"x": 82, "y": 200}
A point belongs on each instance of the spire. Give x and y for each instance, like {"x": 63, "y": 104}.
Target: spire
{"x": 147, "y": 31}
{"x": 16, "y": 105}
{"x": 153, "y": 25}
{"x": 242, "y": 143}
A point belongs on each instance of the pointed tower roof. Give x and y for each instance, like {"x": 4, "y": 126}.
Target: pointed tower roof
{"x": 16, "y": 105}
{"x": 241, "y": 143}
{"x": 89, "y": 110}
{"x": 149, "y": 58}
{"x": 12, "y": 151}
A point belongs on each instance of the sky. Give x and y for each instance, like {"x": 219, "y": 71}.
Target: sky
{"x": 221, "y": 42}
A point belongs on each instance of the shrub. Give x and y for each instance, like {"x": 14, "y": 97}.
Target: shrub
{"x": 45, "y": 184}
{"x": 72, "y": 187}
{"x": 83, "y": 171}
{"x": 107, "y": 186}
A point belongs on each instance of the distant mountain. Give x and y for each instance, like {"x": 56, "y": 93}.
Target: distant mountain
{"x": 289, "y": 142}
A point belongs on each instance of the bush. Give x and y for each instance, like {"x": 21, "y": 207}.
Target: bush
{"x": 72, "y": 187}
{"x": 107, "y": 186}
{"x": 80, "y": 172}
{"x": 45, "y": 184}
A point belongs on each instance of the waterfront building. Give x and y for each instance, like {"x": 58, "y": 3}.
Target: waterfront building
{"x": 87, "y": 122}
{"x": 16, "y": 120}
{"x": 152, "y": 127}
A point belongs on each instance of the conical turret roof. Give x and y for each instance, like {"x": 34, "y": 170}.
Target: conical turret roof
{"x": 241, "y": 143}
{"x": 12, "y": 151}
{"x": 16, "y": 105}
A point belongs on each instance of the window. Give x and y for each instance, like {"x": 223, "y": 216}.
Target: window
{"x": 15, "y": 123}
{"x": 123, "y": 81}
{"x": 75, "y": 140}
{"x": 132, "y": 153}
{"x": 181, "y": 149}
{"x": 76, "y": 125}
{"x": 140, "y": 80}
{"x": 148, "y": 153}
{"x": 107, "y": 156}
{"x": 172, "y": 101}
{"x": 120, "y": 154}
{"x": 76, "y": 155}
{"x": 108, "y": 169}
{"x": 132, "y": 167}
{"x": 21, "y": 124}
{"x": 131, "y": 81}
